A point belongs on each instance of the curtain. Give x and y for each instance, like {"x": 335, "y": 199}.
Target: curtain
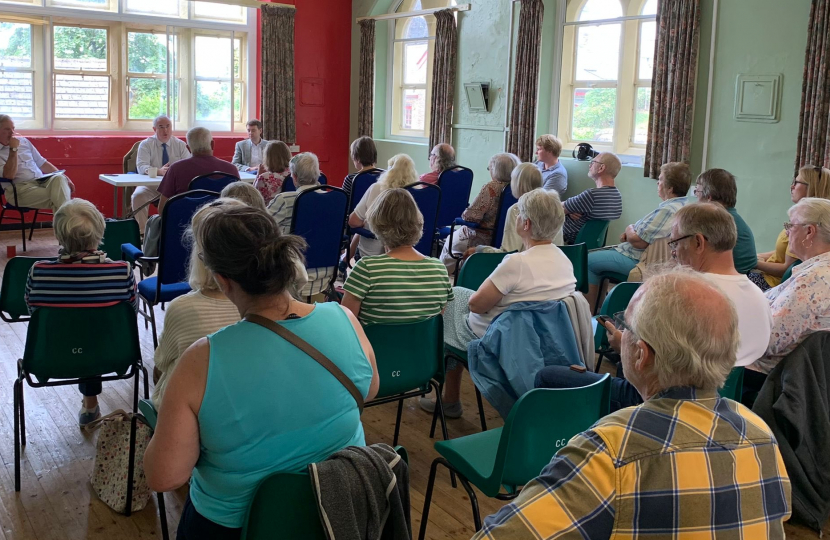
{"x": 673, "y": 84}
{"x": 366, "y": 96}
{"x": 443, "y": 78}
{"x": 814, "y": 126}
{"x": 277, "y": 69}
{"x": 522, "y": 135}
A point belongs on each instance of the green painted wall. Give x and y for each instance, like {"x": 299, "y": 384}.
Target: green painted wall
{"x": 756, "y": 37}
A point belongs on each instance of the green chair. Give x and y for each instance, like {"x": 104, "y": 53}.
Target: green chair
{"x": 578, "y": 255}
{"x": 477, "y": 268}
{"x": 541, "y": 422}
{"x": 118, "y": 232}
{"x": 734, "y": 385}
{"x": 409, "y": 363}
{"x": 13, "y": 307}
{"x": 593, "y": 234}
{"x": 616, "y": 300}
{"x": 78, "y": 345}
{"x": 148, "y": 411}
{"x": 789, "y": 271}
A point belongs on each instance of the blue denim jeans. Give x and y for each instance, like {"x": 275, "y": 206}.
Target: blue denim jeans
{"x": 623, "y": 393}
{"x": 608, "y": 260}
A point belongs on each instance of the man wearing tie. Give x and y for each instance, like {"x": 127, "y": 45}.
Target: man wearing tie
{"x": 159, "y": 151}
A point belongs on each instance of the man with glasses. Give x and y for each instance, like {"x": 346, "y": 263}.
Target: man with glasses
{"x": 602, "y": 202}
{"x": 686, "y": 462}
{"x": 441, "y": 158}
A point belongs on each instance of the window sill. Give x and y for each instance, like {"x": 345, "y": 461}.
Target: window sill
{"x": 393, "y": 140}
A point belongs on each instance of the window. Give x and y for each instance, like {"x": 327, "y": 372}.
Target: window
{"x": 16, "y": 70}
{"x": 147, "y": 84}
{"x": 81, "y": 86}
{"x": 607, "y": 60}
{"x": 217, "y": 67}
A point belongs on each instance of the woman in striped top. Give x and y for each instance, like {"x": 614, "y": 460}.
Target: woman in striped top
{"x": 400, "y": 286}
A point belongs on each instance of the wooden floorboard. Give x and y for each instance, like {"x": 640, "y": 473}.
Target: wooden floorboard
{"x": 57, "y": 501}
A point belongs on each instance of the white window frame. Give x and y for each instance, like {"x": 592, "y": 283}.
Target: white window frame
{"x": 35, "y": 67}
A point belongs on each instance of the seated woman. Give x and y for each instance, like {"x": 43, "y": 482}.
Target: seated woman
{"x": 401, "y": 286}
{"x": 539, "y": 273}
{"x": 244, "y": 402}
{"x": 811, "y": 181}
{"x": 364, "y": 157}
{"x": 401, "y": 173}
{"x": 483, "y": 210}
{"x": 273, "y": 170}
{"x": 79, "y": 228}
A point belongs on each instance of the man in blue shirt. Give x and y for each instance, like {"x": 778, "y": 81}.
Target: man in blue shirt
{"x": 554, "y": 174}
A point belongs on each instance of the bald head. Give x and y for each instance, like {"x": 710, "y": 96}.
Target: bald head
{"x": 442, "y": 157}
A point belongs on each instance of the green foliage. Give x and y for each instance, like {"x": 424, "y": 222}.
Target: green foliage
{"x": 147, "y": 53}
{"x": 212, "y": 100}
{"x": 593, "y": 119}
{"x": 80, "y": 43}
{"x": 20, "y": 43}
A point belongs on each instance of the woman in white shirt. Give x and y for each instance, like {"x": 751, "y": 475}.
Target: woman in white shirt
{"x": 540, "y": 273}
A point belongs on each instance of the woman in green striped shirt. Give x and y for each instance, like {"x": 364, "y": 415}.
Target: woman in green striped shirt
{"x": 400, "y": 286}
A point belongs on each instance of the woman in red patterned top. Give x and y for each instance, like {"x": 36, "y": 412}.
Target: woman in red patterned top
{"x": 483, "y": 210}
{"x": 274, "y": 170}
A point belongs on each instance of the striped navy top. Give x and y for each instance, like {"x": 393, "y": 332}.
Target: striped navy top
{"x": 603, "y": 203}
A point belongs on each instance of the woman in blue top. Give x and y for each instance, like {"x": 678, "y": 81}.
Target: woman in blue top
{"x": 244, "y": 403}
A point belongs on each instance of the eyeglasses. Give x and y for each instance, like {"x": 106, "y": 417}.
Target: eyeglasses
{"x": 789, "y": 225}
{"x": 795, "y": 182}
{"x": 698, "y": 188}
{"x": 673, "y": 243}
{"x": 620, "y": 324}
{"x": 597, "y": 162}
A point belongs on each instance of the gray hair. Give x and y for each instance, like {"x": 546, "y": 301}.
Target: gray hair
{"x": 244, "y": 192}
{"x": 691, "y": 325}
{"x": 501, "y": 166}
{"x": 199, "y": 139}
{"x": 198, "y": 275}
{"x": 525, "y": 178}
{"x": 720, "y": 186}
{"x": 401, "y": 172}
{"x": 445, "y": 154}
{"x": 5, "y": 118}
{"x": 395, "y": 219}
{"x": 159, "y": 118}
{"x": 710, "y": 220}
{"x": 545, "y": 212}
{"x": 305, "y": 169}
{"x": 79, "y": 226}
{"x": 814, "y": 211}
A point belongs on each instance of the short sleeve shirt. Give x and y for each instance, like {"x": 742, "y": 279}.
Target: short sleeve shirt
{"x": 29, "y": 160}
{"x": 653, "y": 226}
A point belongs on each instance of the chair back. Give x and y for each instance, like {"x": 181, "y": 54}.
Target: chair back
{"x": 593, "y": 234}
{"x": 288, "y": 183}
{"x": 616, "y": 300}
{"x": 319, "y": 217}
{"x": 402, "y": 368}
{"x": 478, "y": 268}
{"x": 538, "y": 426}
{"x": 428, "y": 198}
{"x": 323, "y": 180}
{"x": 128, "y": 164}
{"x": 13, "y": 305}
{"x": 215, "y": 181}
{"x": 734, "y": 385}
{"x": 118, "y": 232}
{"x": 578, "y": 255}
{"x": 789, "y": 271}
{"x": 284, "y": 506}
{"x": 73, "y": 343}
{"x": 505, "y": 202}
{"x": 148, "y": 410}
{"x": 174, "y": 251}
{"x": 456, "y": 185}
{"x": 361, "y": 184}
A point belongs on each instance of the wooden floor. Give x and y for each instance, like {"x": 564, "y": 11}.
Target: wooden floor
{"x": 56, "y": 500}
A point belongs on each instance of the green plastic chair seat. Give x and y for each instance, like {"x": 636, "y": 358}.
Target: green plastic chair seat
{"x": 578, "y": 255}
{"x": 478, "y": 268}
{"x": 789, "y": 271}
{"x": 615, "y": 276}
{"x": 593, "y": 234}
{"x": 617, "y": 300}
{"x": 474, "y": 456}
{"x": 13, "y": 307}
{"x": 118, "y": 232}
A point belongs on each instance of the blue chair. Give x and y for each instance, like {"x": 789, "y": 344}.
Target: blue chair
{"x": 428, "y": 199}
{"x": 361, "y": 184}
{"x": 456, "y": 185}
{"x": 288, "y": 183}
{"x": 324, "y": 181}
{"x": 174, "y": 253}
{"x": 22, "y": 210}
{"x": 319, "y": 216}
{"x": 215, "y": 181}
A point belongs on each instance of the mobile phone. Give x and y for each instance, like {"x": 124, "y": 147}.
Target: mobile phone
{"x": 604, "y": 319}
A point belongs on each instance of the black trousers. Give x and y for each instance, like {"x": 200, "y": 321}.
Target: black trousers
{"x": 195, "y": 526}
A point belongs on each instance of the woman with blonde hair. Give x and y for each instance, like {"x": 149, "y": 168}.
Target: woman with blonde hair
{"x": 274, "y": 170}
{"x": 245, "y": 192}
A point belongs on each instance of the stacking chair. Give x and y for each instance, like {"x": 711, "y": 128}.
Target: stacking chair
{"x": 734, "y": 385}
{"x": 361, "y": 184}
{"x": 76, "y": 345}
{"x": 428, "y": 199}
{"x": 540, "y": 423}
{"x": 789, "y": 271}
{"x": 215, "y": 181}
{"x": 578, "y": 255}
{"x": 288, "y": 183}
{"x": 174, "y": 252}
{"x": 128, "y": 164}
{"x": 616, "y": 301}
{"x": 456, "y": 185}
{"x": 21, "y": 210}
{"x": 13, "y": 307}
{"x": 117, "y": 233}
{"x": 148, "y": 411}
{"x": 593, "y": 234}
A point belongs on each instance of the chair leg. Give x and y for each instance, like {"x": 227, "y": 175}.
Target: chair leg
{"x": 165, "y": 535}
{"x": 152, "y": 312}
{"x": 146, "y": 383}
{"x": 481, "y": 411}
{"x": 602, "y": 284}
{"x": 32, "y": 230}
{"x": 22, "y": 409}
{"x": 440, "y": 390}
{"x": 439, "y": 408}
{"x": 23, "y": 229}
{"x": 398, "y": 423}
{"x": 131, "y": 464}
{"x": 428, "y": 498}
{"x": 16, "y": 392}
{"x": 599, "y": 363}
{"x": 473, "y": 502}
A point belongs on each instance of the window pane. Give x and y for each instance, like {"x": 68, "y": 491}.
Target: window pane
{"x": 87, "y": 4}
{"x": 414, "y": 108}
{"x": 169, "y": 8}
{"x": 593, "y": 115}
{"x": 213, "y": 100}
{"x": 415, "y": 62}
{"x": 641, "y": 115}
{"x": 237, "y": 102}
{"x": 600, "y": 9}
{"x": 15, "y": 45}
{"x": 81, "y": 96}
{"x": 650, "y": 8}
{"x": 598, "y": 52}
{"x": 80, "y": 48}
{"x": 237, "y": 59}
{"x": 416, "y": 27}
{"x": 147, "y": 98}
{"x": 147, "y": 53}
{"x": 213, "y": 57}
{"x": 220, "y": 12}
{"x": 16, "y": 94}
{"x": 648, "y": 35}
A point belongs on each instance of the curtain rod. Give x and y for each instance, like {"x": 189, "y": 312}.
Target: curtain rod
{"x": 390, "y": 16}
{"x": 256, "y": 4}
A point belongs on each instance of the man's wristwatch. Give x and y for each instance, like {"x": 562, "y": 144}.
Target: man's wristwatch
{"x": 13, "y": 149}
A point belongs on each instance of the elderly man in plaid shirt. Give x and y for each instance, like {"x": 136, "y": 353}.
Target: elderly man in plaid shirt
{"x": 686, "y": 463}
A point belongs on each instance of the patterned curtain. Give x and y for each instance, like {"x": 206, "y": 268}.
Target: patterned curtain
{"x": 673, "y": 84}
{"x": 814, "y": 129}
{"x": 366, "y": 98}
{"x": 522, "y": 136}
{"x": 443, "y": 78}
{"x": 277, "y": 69}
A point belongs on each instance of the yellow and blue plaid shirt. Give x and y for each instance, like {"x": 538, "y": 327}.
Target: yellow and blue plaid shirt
{"x": 686, "y": 464}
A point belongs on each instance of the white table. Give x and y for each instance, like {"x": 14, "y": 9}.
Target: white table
{"x": 124, "y": 181}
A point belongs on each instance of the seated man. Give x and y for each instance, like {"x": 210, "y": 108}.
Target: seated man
{"x": 22, "y": 163}
{"x": 602, "y": 202}
{"x": 249, "y": 153}
{"x": 685, "y": 463}
{"x": 178, "y": 177}
{"x": 554, "y": 174}
{"x": 159, "y": 151}
{"x": 441, "y": 158}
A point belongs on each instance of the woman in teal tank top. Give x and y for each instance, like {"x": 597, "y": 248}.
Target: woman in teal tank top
{"x": 243, "y": 402}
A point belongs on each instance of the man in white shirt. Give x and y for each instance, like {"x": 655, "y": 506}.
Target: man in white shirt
{"x": 159, "y": 151}
{"x": 22, "y": 163}
{"x": 248, "y": 154}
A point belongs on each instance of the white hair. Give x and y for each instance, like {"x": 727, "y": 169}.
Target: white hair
{"x": 814, "y": 211}
{"x": 5, "y": 118}
{"x": 305, "y": 169}
{"x": 502, "y": 165}
{"x": 159, "y": 118}
{"x": 79, "y": 226}
{"x": 199, "y": 139}
{"x": 545, "y": 212}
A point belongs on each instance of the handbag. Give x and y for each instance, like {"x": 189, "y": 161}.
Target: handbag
{"x": 316, "y": 355}
{"x": 112, "y": 455}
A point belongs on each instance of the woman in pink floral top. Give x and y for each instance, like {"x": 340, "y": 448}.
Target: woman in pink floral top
{"x": 801, "y": 305}
{"x": 273, "y": 171}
